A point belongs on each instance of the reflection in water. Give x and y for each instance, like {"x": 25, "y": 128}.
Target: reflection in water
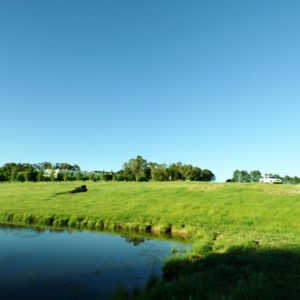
{"x": 134, "y": 240}
{"x": 40, "y": 263}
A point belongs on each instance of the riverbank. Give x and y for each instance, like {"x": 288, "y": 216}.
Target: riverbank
{"x": 229, "y": 213}
{"x": 216, "y": 217}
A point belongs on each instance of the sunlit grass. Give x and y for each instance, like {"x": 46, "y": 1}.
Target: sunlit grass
{"x": 234, "y": 212}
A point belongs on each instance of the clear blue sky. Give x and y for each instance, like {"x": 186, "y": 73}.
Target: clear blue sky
{"x": 211, "y": 83}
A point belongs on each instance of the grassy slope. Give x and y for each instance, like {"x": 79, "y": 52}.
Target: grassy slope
{"x": 229, "y": 212}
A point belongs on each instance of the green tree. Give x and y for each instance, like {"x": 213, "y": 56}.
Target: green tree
{"x": 196, "y": 174}
{"x": 175, "y": 171}
{"x": 66, "y": 175}
{"x": 45, "y": 165}
{"x": 187, "y": 172}
{"x": 241, "y": 176}
{"x": 245, "y": 176}
{"x": 158, "y": 172}
{"x": 63, "y": 166}
{"x": 296, "y": 180}
{"x": 136, "y": 168}
{"x": 76, "y": 168}
{"x": 236, "y": 177}
{"x": 91, "y": 176}
{"x": 52, "y": 176}
{"x": 40, "y": 175}
{"x": 2, "y": 177}
{"x": 60, "y": 176}
{"x": 20, "y": 177}
{"x": 208, "y": 175}
{"x": 119, "y": 176}
{"x": 13, "y": 174}
{"x": 255, "y": 175}
{"x": 79, "y": 175}
{"x": 30, "y": 174}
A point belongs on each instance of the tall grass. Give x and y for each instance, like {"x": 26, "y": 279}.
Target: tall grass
{"x": 220, "y": 213}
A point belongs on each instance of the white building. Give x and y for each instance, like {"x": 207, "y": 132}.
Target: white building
{"x": 47, "y": 173}
{"x": 270, "y": 179}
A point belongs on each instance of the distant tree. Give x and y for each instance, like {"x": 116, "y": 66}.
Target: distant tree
{"x": 2, "y": 177}
{"x": 147, "y": 172}
{"x": 97, "y": 176}
{"x": 52, "y": 176}
{"x": 35, "y": 167}
{"x": 245, "y": 176}
{"x": 60, "y": 176}
{"x": 40, "y": 175}
{"x": 119, "y": 176}
{"x": 84, "y": 175}
{"x": 76, "y": 168}
{"x": 296, "y": 180}
{"x": 175, "y": 171}
{"x": 63, "y": 166}
{"x": 13, "y": 174}
{"x": 20, "y": 177}
{"x": 79, "y": 175}
{"x": 187, "y": 172}
{"x": 7, "y": 170}
{"x": 135, "y": 168}
{"x": 273, "y": 175}
{"x": 291, "y": 180}
{"x": 30, "y": 174}
{"x": 105, "y": 176}
{"x": 208, "y": 175}
{"x": 197, "y": 174}
{"x": 45, "y": 165}
{"x": 255, "y": 175}
{"x": 158, "y": 172}
{"x": 241, "y": 176}
{"x": 236, "y": 177}
{"x": 91, "y": 176}
{"x": 66, "y": 175}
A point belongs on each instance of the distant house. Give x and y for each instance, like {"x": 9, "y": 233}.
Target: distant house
{"x": 47, "y": 173}
{"x": 270, "y": 179}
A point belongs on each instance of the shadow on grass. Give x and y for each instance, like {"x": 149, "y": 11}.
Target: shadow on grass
{"x": 60, "y": 193}
{"x": 237, "y": 274}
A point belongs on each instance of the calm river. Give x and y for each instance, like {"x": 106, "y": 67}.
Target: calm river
{"x": 47, "y": 264}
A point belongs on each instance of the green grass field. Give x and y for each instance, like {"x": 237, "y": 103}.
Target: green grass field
{"x": 222, "y": 220}
{"x": 232, "y": 213}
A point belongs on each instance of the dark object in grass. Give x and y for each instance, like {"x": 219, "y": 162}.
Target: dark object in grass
{"x": 79, "y": 189}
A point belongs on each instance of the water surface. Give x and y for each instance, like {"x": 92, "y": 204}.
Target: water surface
{"x": 47, "y": 264}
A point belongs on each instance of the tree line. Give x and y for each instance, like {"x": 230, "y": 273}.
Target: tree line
{"x": 136, "y": 169}
{"x": 255, "y": 175}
